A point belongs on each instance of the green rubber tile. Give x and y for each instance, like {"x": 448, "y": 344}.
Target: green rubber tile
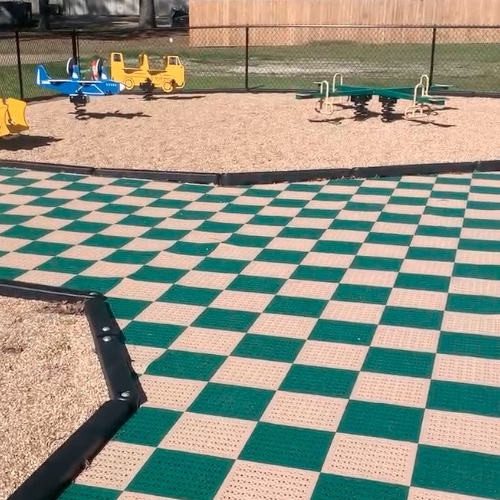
{"x": 63, "y": 177}
{"x": 81, "y": 492}
{"x": 126, "y": 308}
{"x": 165, "y": 234}
{"x": 9, "y": 172}
{"x": 462, "y": 344}
{"x": 340, "y": 247}
{"x": 44, "y": 248}
{"x": 332, "y": 197}
{"x": 374, "y": 191}
{"x": 456, "y": 471}
{"x": 287, "y": 446}
{"x": 141, "y": 221}
{"x": 6, "y": 207}
{"x": 99, "y": 197}
{"x": 352, "y": 225}
{"x": 119, "y": 209}
{"x": 283, "y": 202}
{"x": 377, "y": 263}
{"x": 223, "y": 319}
{"x": 232, "y": 401}
{"x": 389, "y": 239}
{"x": 439, "y": 231}
{"x": 19, "y": 181}
{"x": 217, "y": 198}
{"x": 218, "y": 227}
{"x": 189, "y": 295}
{"x": 318, "y": 380}
{"x": 25, "y": 233}
{"x": 448, "y": 195}
{"x": 479, "y": 271}
{"x": 33, "y": 191}
{"x": 456, "y": 181}
{"x": 268, "y": 347}
{"x": 13, "y": 220}
{"x": 426, "y": 282}
{"x": 317, "y": 273}
{"x": 399, "y": 362}
{"x": 360, "y": 293}
{"x": 270, "y": 220}
{"x": 398, "y": 218}
{"x": 345, "y": 182}
{"x": 105, "y": 241}
{"x": 343, "y": 332}
{"x": 332, "y": 487}
{"x": 307, "y": 188}
{"x": 135, "y": 183}
{"x": 84, "y": 187}
{"x": 354, "y": 206}
{"x": 479, "y": 245}
{"x": 412, "y": 318}
{"x": 66, "y": 265}
{"x": 193, "y": 188}
{"x": 130, "y": 257}
{"x": 214, "y": 265}
{"x": 407, "y": 200}
{"x": 282, "y": 256}
{"x": 445, "y": 212}
{"x": 47, "y": 202}
{"x": 481, "y": 224}
{"x": 196, "y": 215}
{"x": 434, "y": 254}
{"x": 296, "y": 306}
{"x": 151, "y": 334}
{"x": 196, "y": 249}
{"x": 8, "y": 273}
{"x": 158, "y": 274}
{"x": 184, "y": 364}
{"x": 66, "y": 214}
{"x": 313, "y": 213}
{"x": 474, "y": 304}
{"x": 259, "y": 284}
{"x": 147, "y": 427}
{"x": 148, "y": 193}
{"x": 244, "y": 240}
{"x": 241, "y": 209}
{"x": 91, "y": 283}
{"x": 485, "y": 189}
{"x": 464, "y": 398}
{"x": 382, "y": 421}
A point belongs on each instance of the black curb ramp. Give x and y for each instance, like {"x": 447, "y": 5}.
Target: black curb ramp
{"x": 255, "y": 178}
{"x": 66, "y": 462}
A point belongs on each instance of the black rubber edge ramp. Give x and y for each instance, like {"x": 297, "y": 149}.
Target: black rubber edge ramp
{"x": 255, "y": 178}
{"x": 66, "y": 462}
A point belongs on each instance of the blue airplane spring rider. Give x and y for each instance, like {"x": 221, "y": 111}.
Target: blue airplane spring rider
{"x": 78, "y": 89}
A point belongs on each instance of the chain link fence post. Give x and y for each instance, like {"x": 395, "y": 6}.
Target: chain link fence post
{"x": 247, "y": 51}
{"x": 19, "y": 66}
{"x": 74, "y": 46}
{"x": 433, "y": 55}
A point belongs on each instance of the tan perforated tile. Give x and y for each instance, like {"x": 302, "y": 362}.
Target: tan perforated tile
{"x": 229, "y": 218}
{"x": 117, "y": 190}
{"x": 166, "y": 312}
{"x": 371, "y": 458}
{"x": 358, "y": 215}
{"x": 280, "y": 211}
{"x": 344, "y": 235}
{"x": 84, "y": 206}
{"x": 175, "y": 261}
{"x": 138, "y": 290}
{"x": 341, "y": 261}
{"x": 254, "y": 201}
{"x": 385, "y": 251}
{"x": 124, "y": 231}
{"x": 486, "y": 197}
{"x": 206, "y": 279}
{"x": 305, "y": 411}
{"x": 297, "y": 195}
{"x": 411, "y": 339}
{"x": 391, "y": 389}
{"x": 247, "y": 372}
{"x": 170, "y": 393}
{"x": 269, "y": 269}
{"x": 411, "y": 193}
{"x": 418, "y": 299}
{"x": 33, "y": 174}
{"x": 12, "y": 244}
{"x": 156, "y": 212}
{"x": 339, "y": 189}
{"x": 95, "y": 180}
{"x": 142, "y": 356}
{"x": 16, "y": 199}
{"x": 161, "y": 185}
{"x": 394, "y": 228}
{"x": 5, "y": 189}
{"x": 205, "y": 206}
{"x": 428, "y": 267}
{"x": 308, "y": 289}
{"x": 356, "y": 312}
{"x": 253, "y": 481}
{"x": 209, "y": 435}
{"x": 480, "y": 234}
{"x": 473, "y": 286}
{"x": 434, "y": 242}
{"x": 110, "y": 269}
{"x": 461, "y": 431}
{"x": 46, "y": 222}
{"x": 45, "y": 277}
{"x": 325, "y": 205}
{"x": 424, "y": 179}
{"x": 394, "y": 208}
{"x": 260, "y": 230}
{"x": 380, "y": 183}
{"x": 182, "y": 224}
{"x": 115, "y": 466}
{"x": 84, "y": 252}
{"x": 25, "y": 261}
{"x": 145, "y": 244}
{"x": 29, "y": 210}
{"x": 442, "y": 189}
{"x": 446, "y": 203}
{"x": 422, "y": 494}
{"x": 472, "y": 213}
{"x": 282, "y": 325}
{"x": 372, "y": 278}
{"x": 332, "y": 355}
{"x": 467, "y": 369}
{"x": 50, "y": 184}
{"x": 205, "y": 237}
{"x": 297, "y": 244}
{"x": 438, "y": 221}
{"x": 242, "y": 301}
{"x": 370, "y": 198}
{"x": 135, "y": 201}
{"x": 67, "y": 237}
{"x": 226, "y": 251}
{"x": 479, "y": 324}
{"x": 308, "y": 222}
{"x": 208, "y": 341}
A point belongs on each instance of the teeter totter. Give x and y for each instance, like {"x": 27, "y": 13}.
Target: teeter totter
{"x": 12, "y": 117}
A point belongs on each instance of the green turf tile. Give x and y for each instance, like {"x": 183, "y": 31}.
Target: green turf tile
{"x": 374, "y": 191}
{"x": 462, "y": 344}
{"x": 449, "y": 195}
{"x": 158, "y": 274}
{"x": 148, "y": 193}
{"x": 12, "y": 220}
{"x": 65, "y": 265}
{"x": 475, "y": 304}
{"x": 126, "y": 308}
{"x": 313, "y": 213}
{"x": 223, "y": 319}
{"x": 130, "y": 257}
{"x": 241, "y": 209}
{"x": 100, "y": 197}
{"x": 360, "y": 293}
{"x": 418, "y": 186}
{"x": 331, "y": 487}
{"x": 345, "y": 182}
{"x": 151, "y": 334}
{"x": 243, "y": 240}
{"x": 141, "y": 221}
{"x": 407, "y": 200}
{"x": 332, "y": 197}
{"x": 10, "y": 172}
{"x": 343, "y": 332}
{"x": 399, "y": 362}
{"x": 105, "y": 241}
{"x": 455, "y": 181}
{"x": 318, "y": 380}
{"x": 479, "y": 271}
{"x": 479, "y": 245}
{"x": 422, "y": 282}
{"x": 44, "y": 248}
{"x": 216, "y": 198}
{"x": 82, "y": 492}
{"x": 232, "y": 401}
{"x": 307, "y": 188}
{"x": 376, "y": 263}
{"x": 7, "y": 273}
{"x": 25, "y": 233}
{"x": 6, "y": 207}
{"x": 259, "y": 284}
{"x": 464, "y": 398}
{"x": 340, "y": 247}
{"x": 86, "y": 227}
{"x": 439, "y": 231}
{"x": 47, "y": 202}
{"x": 193, "y": 188}
{"x": 91, "y": 283}
{"x": 196, "y": 215}
{"x": 268, "y": 347}
{"x": 66, "y": 214}
{"x": 296, "y": 306}
{"x": 352, "y": 225}
{"x": 196, "y": 249}
{"x": 147, "y": 427}
{"x": 389, "y": 239}
{"x": 165, "y": 234}
{"x": 287, "y": 446}
{"x": 445, "y": 212}
{"x": 189, "y": 295}
{"x": 84, "y": 187}
{"x": 457, "y": 471}
{"x": 481, "y": 223}
{"x": 282, "y": 256}
{"x": 354, "y": 206}
{"x": 118, "y": 209}
{"x": 485, "y": 189}
{"x": 32, "y": 191}
{"x": 283, "y": 202}
{"x": 135, "y": 183}
{"x": 317, "y": 273}
{"x": 214, "y": 265}
{"x": 218, "y": 227}
{"x": 270, "y": 220}
{"x": 412, "y": 318}
{"x": 183, "y": 364}
{"x": 382, "y": 421}
{"x": 434, "y": 254}
{"x": 19, "y": 181}
{"x": 398, "y": 218}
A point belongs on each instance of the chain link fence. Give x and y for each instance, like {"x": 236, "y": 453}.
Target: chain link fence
{"x": 267, "y": 58}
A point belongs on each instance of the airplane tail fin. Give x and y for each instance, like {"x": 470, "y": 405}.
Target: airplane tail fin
{"x": 41, "y": 74}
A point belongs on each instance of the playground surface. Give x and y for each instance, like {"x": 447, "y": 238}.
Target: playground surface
{"x": 207, "y": 133}
{"x": 326, "y": 340}
{"x": 51, "y": 383}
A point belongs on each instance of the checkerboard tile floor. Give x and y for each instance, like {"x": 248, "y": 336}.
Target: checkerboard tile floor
{"x": 326, "y": 340}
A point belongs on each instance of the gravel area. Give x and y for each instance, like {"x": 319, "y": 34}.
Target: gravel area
{"x": 245, "y": 132}
{"x": 51, "y": 383}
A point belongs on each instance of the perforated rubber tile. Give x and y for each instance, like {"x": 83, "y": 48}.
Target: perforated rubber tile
{"x": 326, "y": 340}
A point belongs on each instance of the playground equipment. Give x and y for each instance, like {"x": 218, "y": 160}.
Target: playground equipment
{"x": 330, "y": 97}
{"x": 169, "y": 78}
{"x": 12, "y": 117}
{"x": 78, "y": 89}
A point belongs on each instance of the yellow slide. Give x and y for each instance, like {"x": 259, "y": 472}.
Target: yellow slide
{"x": 12, "y": 117}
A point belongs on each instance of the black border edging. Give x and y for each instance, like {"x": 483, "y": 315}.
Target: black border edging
{"x": 255, "y": 178}
{"x": 55, "y": 474}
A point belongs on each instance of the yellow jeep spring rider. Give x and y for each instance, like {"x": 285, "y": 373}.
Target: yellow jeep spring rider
{"x": 168, "y": 79}
{"x": 12, "y": 117}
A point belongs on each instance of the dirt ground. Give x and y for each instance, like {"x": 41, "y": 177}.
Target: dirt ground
{"x": 249, "y": 132}
{"x": 51, "y": 383}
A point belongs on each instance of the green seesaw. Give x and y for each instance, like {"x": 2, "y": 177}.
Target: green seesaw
{"x": 329, "y": 97}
